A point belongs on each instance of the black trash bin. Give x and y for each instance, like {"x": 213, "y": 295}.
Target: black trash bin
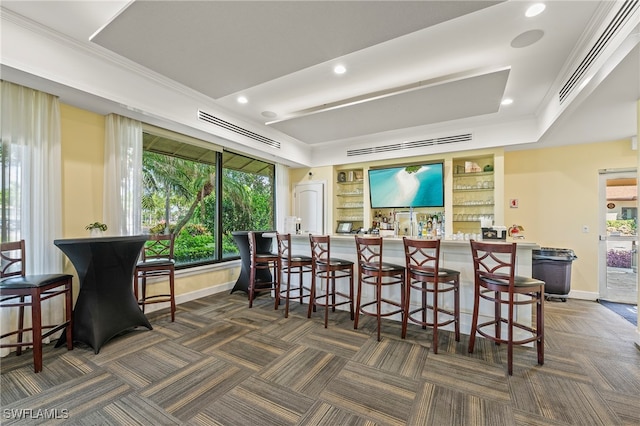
{"x": 553, "y": 266}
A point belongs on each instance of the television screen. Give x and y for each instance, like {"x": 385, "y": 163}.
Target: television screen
{"x": 407, "y": 186}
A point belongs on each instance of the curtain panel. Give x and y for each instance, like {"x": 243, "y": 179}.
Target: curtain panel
{"x": 122, "y": 176}
{"x": 32, "y": 187}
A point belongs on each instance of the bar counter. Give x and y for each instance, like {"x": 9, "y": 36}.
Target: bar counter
{"x": 454, "y": 255}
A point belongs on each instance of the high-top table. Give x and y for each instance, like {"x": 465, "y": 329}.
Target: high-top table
{"x": 105, "y": 306}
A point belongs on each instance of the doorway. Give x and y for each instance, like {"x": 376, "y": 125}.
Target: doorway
{"x": 618, "y": 246}
{"x": 309, "y": 207}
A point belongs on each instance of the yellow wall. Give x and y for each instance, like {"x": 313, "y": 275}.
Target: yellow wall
{"x": 82, "y": 188}
{"x": 557, "y": 193}
{"x": 82, "y": 169}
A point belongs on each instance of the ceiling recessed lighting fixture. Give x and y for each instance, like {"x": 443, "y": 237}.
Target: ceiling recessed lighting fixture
{"x": 242, "y": 99}
{"x": 339, "y": 69}
{"x": 506, "y": 101}
{"x": 535, "y": 10}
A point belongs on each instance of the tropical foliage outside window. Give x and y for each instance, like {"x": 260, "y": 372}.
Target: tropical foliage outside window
{"x": 180, "y": 197}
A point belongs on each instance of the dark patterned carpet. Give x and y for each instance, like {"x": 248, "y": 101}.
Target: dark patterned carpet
{"x": 221, "y": 363}
{"x": 626, "y": 311}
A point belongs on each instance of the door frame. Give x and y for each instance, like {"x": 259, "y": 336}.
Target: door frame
{"x": 603, "y": 289}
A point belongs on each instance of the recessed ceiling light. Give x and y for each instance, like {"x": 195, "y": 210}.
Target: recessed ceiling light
{"x": 242, "y": 99}
{"x": 339, "y": 69}
{"x": 269, "y": 114}
{"x": 506, "y": 101}
{"x": 535, "y": 10}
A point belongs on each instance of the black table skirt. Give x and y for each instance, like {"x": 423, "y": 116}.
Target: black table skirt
{"x": 264, "y": 246}
{"x": 106, "y": 305}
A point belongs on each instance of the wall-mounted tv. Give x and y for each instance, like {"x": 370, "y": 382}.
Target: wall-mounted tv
{"x": 419, "y": 185}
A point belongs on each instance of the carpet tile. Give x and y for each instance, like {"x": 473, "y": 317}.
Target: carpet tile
{"x": 221, "y": 363}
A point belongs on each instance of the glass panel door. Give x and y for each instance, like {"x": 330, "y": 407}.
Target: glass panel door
{"x": 619, "y": 237}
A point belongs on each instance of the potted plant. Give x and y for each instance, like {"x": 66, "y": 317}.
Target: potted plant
{"x": 96, "y": 229}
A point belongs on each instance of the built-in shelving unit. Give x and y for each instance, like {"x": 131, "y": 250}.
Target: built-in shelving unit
{"x": 349, "y": 203}
{"x": 473, "y": 193}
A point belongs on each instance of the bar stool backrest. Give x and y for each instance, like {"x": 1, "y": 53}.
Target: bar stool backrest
{"x": 158, "y": 247}
{"x": 12, "y": 259}
{"x": 320, "y": 250}
{"x": 494, "y": 262}
{"x": 422, "y": 256}
{"x": 369, "y": 252}
{"x": 284, "y": 247}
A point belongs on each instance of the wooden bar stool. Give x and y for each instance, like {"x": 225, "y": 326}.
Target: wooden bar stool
{"x": 292, "y": 264}
{"x": 263, "y": 262}
{"x": 374, "y": 272}
{"x": 327, "y": 270}
{"x": 17, "y": 289}
{"x": 425, "y": 275}
{"x": 157, "y": 261}
{"x": 494, "y": 266}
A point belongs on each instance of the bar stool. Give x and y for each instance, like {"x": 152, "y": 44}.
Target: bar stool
{"x": 157, "y": 261}
{"x": 328, "y": 269}
{"x": 374, "y": 272}
{"x": 494, "y": 266}
{"x": 292, "y": 264}
{"x": 263, "y": 262}
{"x": 17, "y": 289}
{"x": 425, "y": 275}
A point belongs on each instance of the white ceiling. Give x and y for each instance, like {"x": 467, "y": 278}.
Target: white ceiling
{"x": 417, "y": 65}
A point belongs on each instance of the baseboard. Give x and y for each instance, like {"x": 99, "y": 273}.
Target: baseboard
{"x": 193, "y": 295}
{"x": 583, "y": 295}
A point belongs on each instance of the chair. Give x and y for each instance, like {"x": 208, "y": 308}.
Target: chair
{"x": 157, "y": 261}
{"x": 292, "y": 264}
{"x": 20, "y": 290}
{"x": 494, "y": 268}
{"x": 263, "y": 262}
{"x": 374, "y": 272}
{"x": 425, "y": 275}
{"x": 328, "y": 270}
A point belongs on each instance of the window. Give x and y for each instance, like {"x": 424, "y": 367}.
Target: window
{"x": 247, "y": 201}
{"x": 181, "y": 181}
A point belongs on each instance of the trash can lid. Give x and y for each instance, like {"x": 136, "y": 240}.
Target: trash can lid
{"x": 552, "y": 253}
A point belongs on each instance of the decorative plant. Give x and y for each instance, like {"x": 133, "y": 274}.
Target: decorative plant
{"x": 96, "y": 225}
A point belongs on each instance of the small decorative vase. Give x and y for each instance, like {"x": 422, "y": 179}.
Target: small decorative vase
{"x": 95, "y": 232}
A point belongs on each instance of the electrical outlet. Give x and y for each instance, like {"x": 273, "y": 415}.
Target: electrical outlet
{"x": 585, "y": 229}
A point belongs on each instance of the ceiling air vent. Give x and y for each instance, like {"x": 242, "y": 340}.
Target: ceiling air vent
{"x": 618, "y": 21}
{"x": 211, "y": 119}
{"x": 410, "y": 145}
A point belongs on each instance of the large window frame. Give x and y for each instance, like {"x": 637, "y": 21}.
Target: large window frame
{"x": 256, "y": 197}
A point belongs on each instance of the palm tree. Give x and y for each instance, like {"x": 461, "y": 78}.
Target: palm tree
{"x": 187, "y": 180}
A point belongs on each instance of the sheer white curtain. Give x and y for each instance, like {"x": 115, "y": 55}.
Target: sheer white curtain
{"x": 122, "y": 175}
{"x": 282, "y": 196}
{"x": 31, "y": 183}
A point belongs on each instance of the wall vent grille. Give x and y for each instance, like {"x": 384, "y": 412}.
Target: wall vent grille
{"x": 410, "y": 145}
{"x": 211, "y": 119}
{"x": 618, "y": 21}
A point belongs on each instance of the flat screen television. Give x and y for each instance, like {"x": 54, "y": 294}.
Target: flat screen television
{"x": 419, "y": 185}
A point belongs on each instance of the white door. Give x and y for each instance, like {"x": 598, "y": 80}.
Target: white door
{"x": 309, "y": 207}
{"x": 618, "y": 247}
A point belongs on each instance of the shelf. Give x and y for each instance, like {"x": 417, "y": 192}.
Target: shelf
{"x": 461, "y": 175}
{"x": 350, "y": 208}
{"x": 473, "y": 205}
{"x": 474, "y": 190}
{"x": 350, "y": 194}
